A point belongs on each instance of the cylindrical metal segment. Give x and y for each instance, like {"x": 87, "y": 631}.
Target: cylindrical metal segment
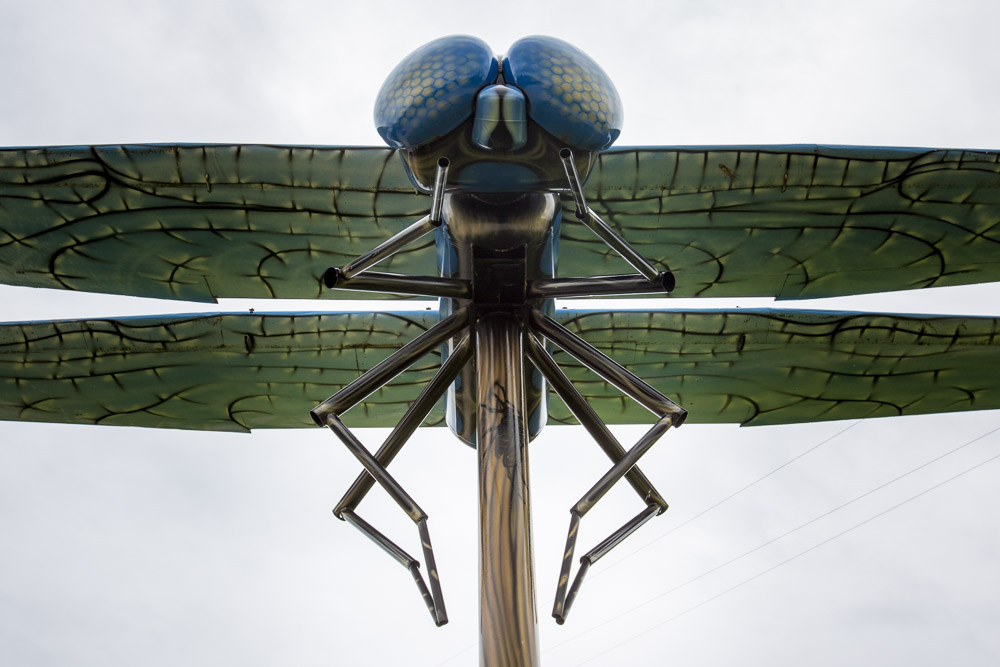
{"x": 381, "y": 475}
{"x": 388, "y": 247}
{"x": 507, "y": 618}
{"x": 607, "y": 368}
{"x": 616, "y": 537}
{"x": 378, "y": 538}
{"x": 619, "y": 469}
{"x": 396, "y": 283}
{"x": 573, "y": 176}
{"x": 559, "y": 606}
{"x": 440, "y": 613}
{"x": 388, "y": 368}
{"x": 585, "y": 414}
{"x": 437, "y": 195}
{"x": 584, "y": 286}
{"x": 598, "y": 226}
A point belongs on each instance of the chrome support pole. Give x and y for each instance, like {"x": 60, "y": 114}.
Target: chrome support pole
{"x": 507, "y": 617}
{"x": 598, "y": 226}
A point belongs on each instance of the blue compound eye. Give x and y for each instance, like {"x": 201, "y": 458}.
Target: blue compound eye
{"x": 433, "y": 90}
{"x": 569, "y": 95}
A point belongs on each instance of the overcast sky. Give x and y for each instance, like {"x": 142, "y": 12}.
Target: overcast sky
{"x": 131, "y": 546}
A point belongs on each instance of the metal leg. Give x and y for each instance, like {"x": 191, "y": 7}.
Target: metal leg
{"x": 598, "y": 226}
{"x": 382, "y": 373}
{"x": 624, "y": 462}
{"x": 583, "y": 286}
{"x": 626, "y": 381}
{"x": 395, "y": 283}
{"x": 507, "y": 617}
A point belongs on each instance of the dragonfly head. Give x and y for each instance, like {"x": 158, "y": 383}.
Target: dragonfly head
{"x": 501, "y": 121}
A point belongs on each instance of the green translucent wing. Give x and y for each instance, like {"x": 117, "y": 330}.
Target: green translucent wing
{"x": 787, "y": 366}
{"x": 200, "y": 222}
{"x": 216, "y": 372}
{"x": 796, "y": 221}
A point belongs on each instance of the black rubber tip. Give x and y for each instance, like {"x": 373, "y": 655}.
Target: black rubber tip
{"x": 668, "y": 281}
{"x": 331, "y": 277}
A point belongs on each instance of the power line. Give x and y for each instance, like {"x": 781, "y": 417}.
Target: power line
{"x": 725, "y": 500}
{"x": 786, "y": 534}
{"x": 791, "y": 558}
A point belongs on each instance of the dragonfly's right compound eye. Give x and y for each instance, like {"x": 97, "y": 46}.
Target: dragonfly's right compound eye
{"x": 433, "y": 90}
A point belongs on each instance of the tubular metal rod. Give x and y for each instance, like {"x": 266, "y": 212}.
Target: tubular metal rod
{"x": 390, "y": 246}
{"x": 358, "y": 389}
{"x": 616, "y": 537}
{"x": 507, "y": 617}
{"x": 619, "y": 469}
{"x": 607, "y": 368}
{"x": 378, "y": 538}
{"x": 395, "y": 283}
{"x": 574, "y": 590}
{"x": 381, "y": 475}
{"x": 598, "y": 226}
{"x": 573, "y": 176}
{"x": 600, "y": 550}
{"x": 560, "y": 288}
{"x": 404, "y": 559}
{"x": 414, "y": 416}
{"x": 439, "y": 612}
{"x": 559, "y": 610}
{"x": 586, "y": 415}
{"x": 437, "y": 196}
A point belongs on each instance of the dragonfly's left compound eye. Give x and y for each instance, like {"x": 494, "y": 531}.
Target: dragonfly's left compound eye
{"x": 433, "y": 90}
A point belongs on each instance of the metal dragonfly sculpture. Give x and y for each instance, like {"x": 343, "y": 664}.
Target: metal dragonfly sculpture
{"x": 506, "y": 148}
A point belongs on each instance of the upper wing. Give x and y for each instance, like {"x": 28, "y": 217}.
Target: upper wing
{"x": 788, "y": 366}
{"x": 200, "y": 222}
{"x": 796, "y": 221}
{"x": 217, "y": 372}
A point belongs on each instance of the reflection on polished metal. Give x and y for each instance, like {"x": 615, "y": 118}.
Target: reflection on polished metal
{"x": 415, "y": 414}
{"x": 587, "y": 417}
{"x": 622, "y": 378}
{"x": 437, "y": 196}
{"x": 395, "y": 283}
{"x": 388, "y": 247}
{"x": 624, "y": 466}
{"x": 507, "y": 620}
{"x": 435, "y": 601}
{"x": 584, "y": 286}
{"x": 585, "y": 215}
{"x": 389, "y": 368}
{"x": 406, "y": 560}
{"x": 564, "y": 600}
{"x": 404, "y": 238}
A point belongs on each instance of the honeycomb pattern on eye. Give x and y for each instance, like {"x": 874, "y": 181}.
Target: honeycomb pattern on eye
{"x": 433, "y": 90}
{"x": 569, "y": 94}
